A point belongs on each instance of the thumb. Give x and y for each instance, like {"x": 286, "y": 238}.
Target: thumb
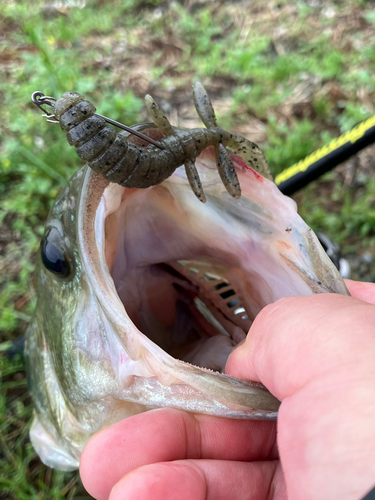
{"x": 299, "y": 339}
{"x": 290, "y": 315}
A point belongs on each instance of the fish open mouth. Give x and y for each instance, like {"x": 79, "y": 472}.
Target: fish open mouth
{"x": 182, "y": 291}
{"x": 190, "y": 309}
{"x": 193, "y": 277}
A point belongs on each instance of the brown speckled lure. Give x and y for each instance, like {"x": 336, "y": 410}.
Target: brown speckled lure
{"x": 123, "y": 162}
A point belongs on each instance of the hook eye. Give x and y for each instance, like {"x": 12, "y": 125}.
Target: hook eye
{"x": 39, "y": 99}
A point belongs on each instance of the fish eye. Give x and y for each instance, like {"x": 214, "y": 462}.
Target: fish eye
{"x": 54, "y": 255}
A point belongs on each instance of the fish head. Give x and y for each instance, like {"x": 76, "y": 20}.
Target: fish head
{"x": 143, "y": 294}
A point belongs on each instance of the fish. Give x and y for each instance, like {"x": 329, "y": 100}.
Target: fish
{"x": 142, "y": 294}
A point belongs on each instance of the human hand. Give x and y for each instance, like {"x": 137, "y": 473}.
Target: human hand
{"x": 316, "y": 354}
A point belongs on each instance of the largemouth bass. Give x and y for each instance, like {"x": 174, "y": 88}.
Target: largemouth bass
{"x": 143, "y": 294}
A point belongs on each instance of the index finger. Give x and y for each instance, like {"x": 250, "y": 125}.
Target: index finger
{"x": 362, "y": 291}
{"x": 168, "y": 435}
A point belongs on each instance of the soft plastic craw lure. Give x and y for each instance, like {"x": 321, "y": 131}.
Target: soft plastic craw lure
{"x": 123, "y": 162}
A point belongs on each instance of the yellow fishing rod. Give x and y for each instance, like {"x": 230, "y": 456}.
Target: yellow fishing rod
{"x": 326, "y": 158}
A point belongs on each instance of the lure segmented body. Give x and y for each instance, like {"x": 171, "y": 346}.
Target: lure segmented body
{"x": 121, "y": 161}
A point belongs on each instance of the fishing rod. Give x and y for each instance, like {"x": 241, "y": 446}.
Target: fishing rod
{"x": 318, "y": 163}
{"x": 326, "y": 158}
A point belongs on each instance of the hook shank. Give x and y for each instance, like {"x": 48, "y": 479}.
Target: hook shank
{"x": 39, "y": 99}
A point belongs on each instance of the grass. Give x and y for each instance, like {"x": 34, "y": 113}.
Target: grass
{"x": 300, "y": 75}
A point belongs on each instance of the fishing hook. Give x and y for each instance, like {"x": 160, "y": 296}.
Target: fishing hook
{"x": 40, "y": 100}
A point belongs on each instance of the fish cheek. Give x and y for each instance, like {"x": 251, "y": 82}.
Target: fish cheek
{"x": 55, "y": 254}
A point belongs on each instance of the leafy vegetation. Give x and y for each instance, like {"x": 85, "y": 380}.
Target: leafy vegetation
{"x": 290, "y": 76}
